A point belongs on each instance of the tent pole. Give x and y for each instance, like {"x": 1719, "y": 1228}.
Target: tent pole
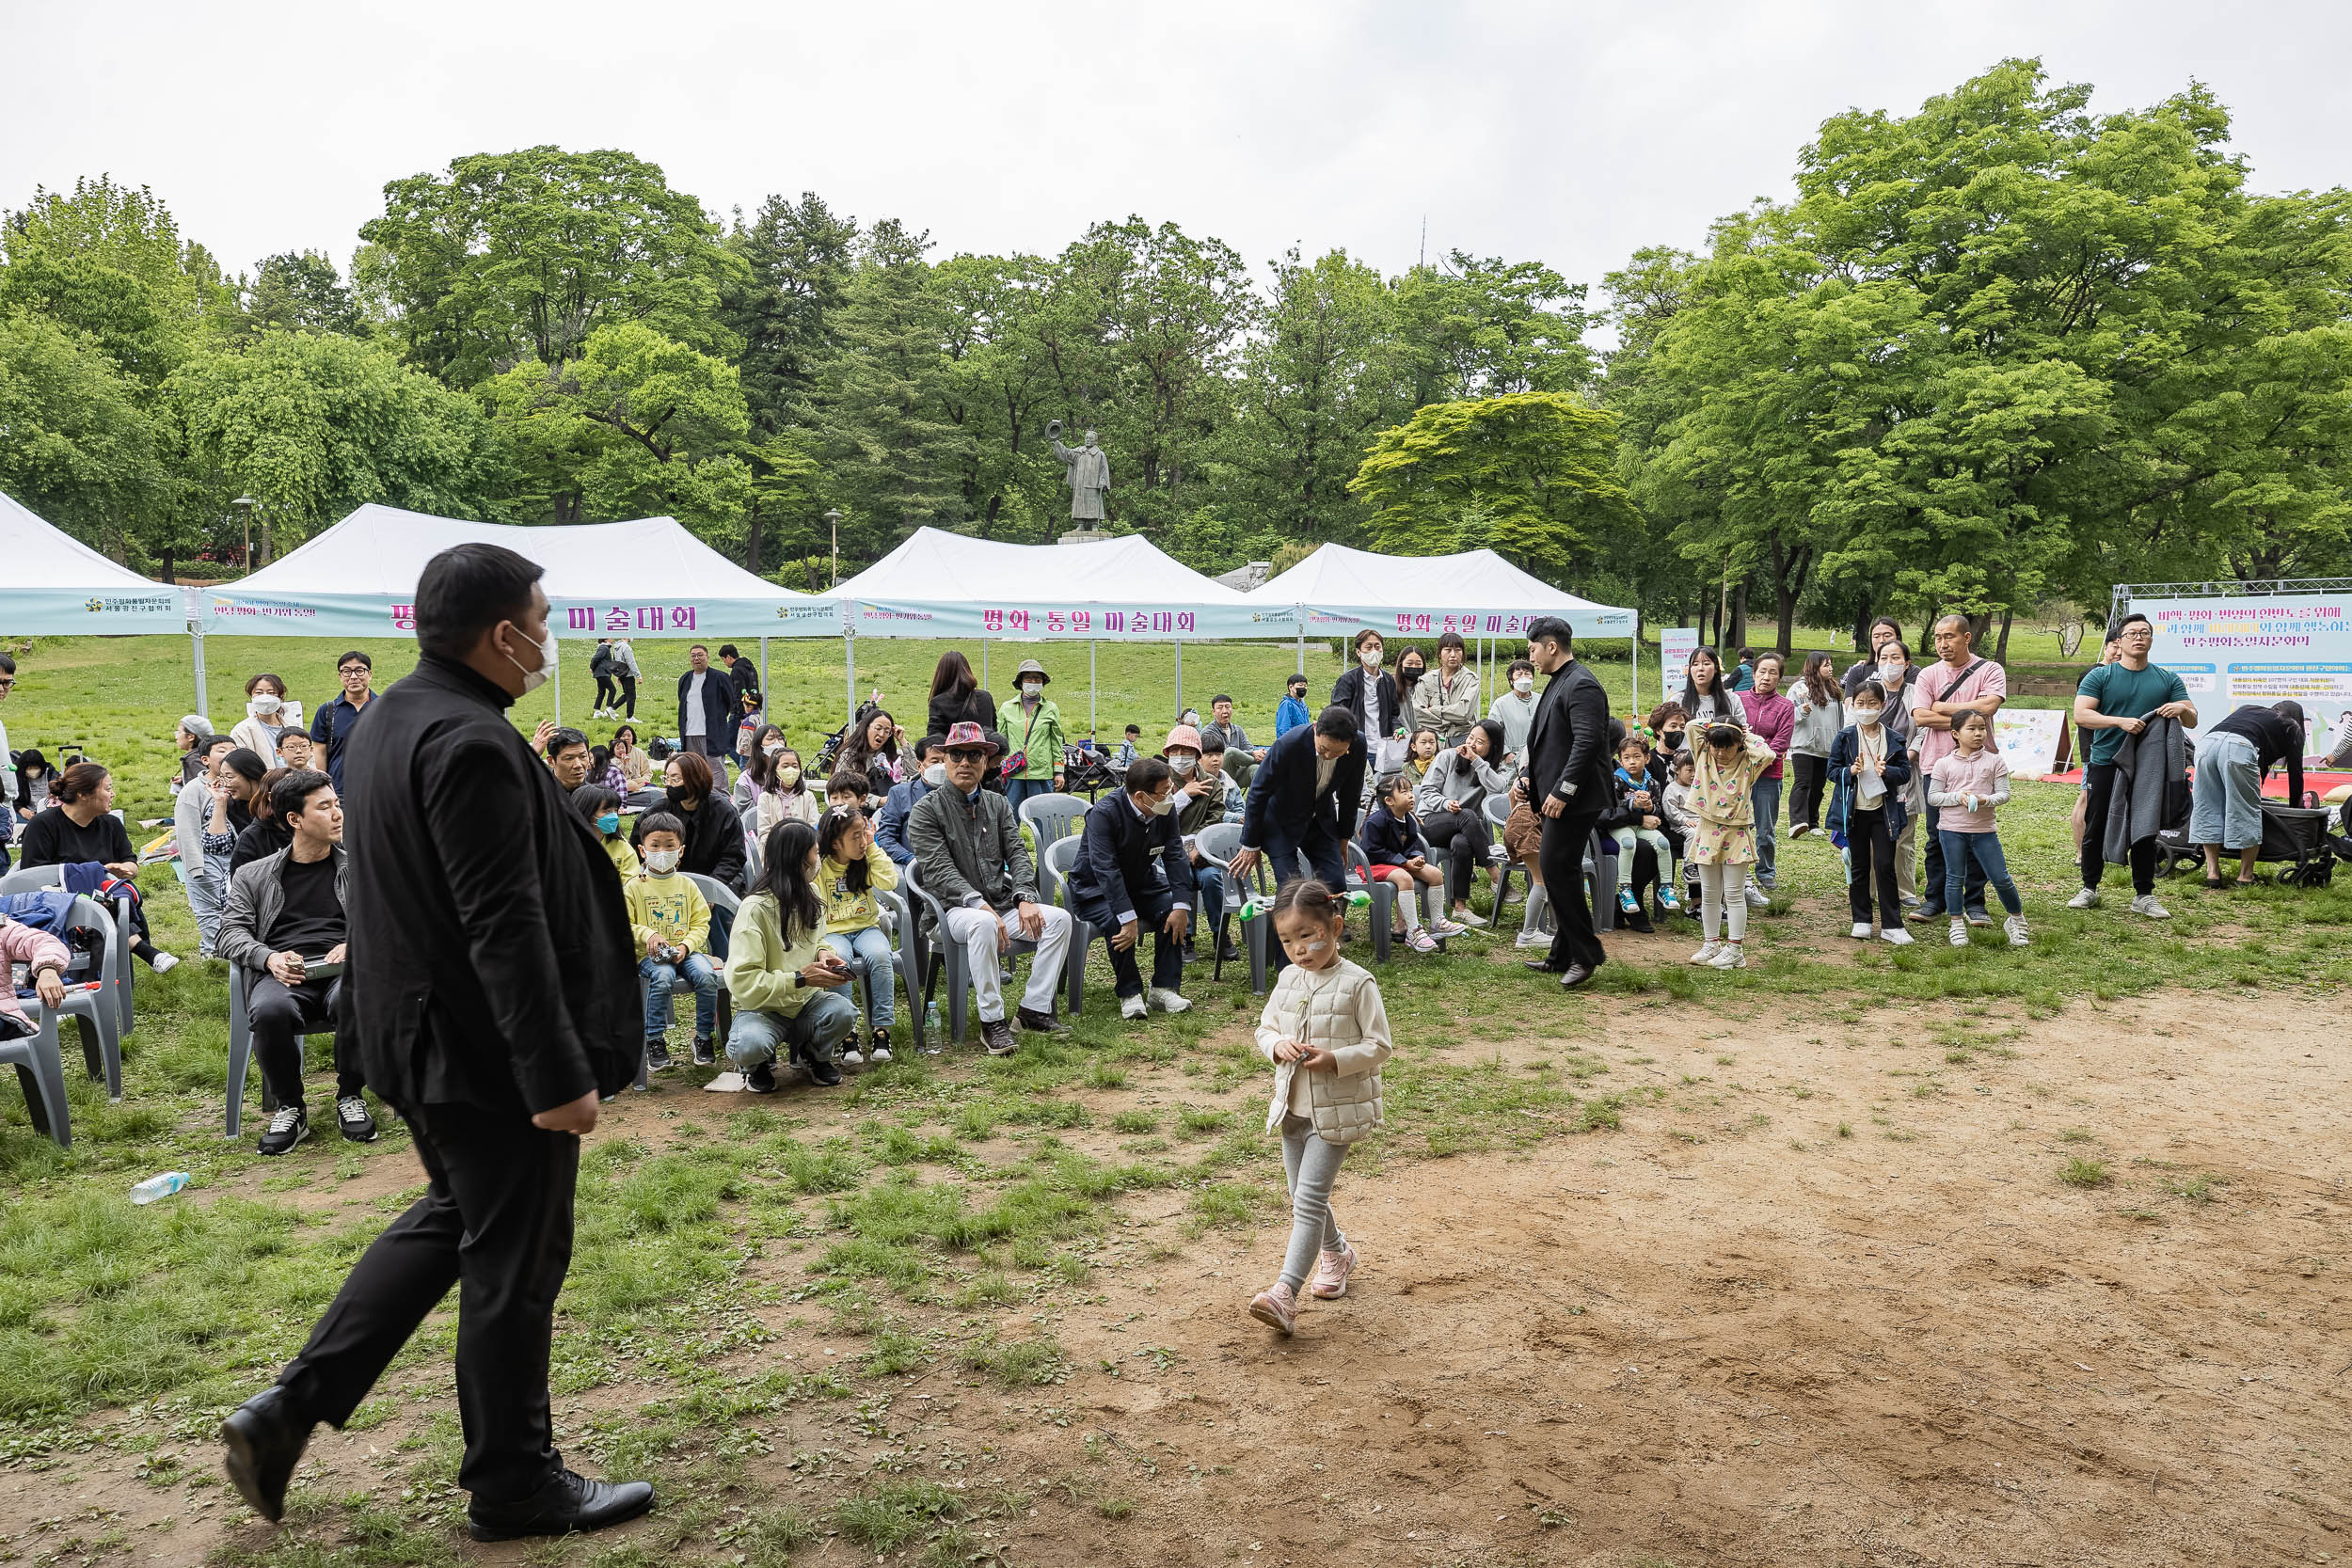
{"x": 1094, "y": 719}
{"x": 1180, "y": 682}
{"x": 849, "y": 678}
{"x": 1302, "y": 666}
{"x": 763, "y": 673}
{"x": 196, "y": 638}
{"x": 558, "y": 692}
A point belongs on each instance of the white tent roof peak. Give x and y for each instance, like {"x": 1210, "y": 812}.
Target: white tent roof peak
{"x": 52, "y": 583}
{"x": 932, "y": 565}
{"x": 38, "y": 555}
{"x": 1338, "y": 585}
{"x": 384, "y": 550}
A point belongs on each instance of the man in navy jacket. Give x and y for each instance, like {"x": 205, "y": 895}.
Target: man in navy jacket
{"x": 1303, "y": 800}
{"x": 1132, "y": 869}
{"x": 890, "y": 830}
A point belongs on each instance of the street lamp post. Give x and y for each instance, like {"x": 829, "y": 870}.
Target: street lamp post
{"x": 245, "y": 505}
{"x": 833, "y": 519}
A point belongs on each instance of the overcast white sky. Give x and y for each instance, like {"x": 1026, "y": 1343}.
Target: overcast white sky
{"x": 1573, "y": 134}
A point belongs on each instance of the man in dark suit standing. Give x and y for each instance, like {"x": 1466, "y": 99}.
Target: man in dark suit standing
{"x": 1132, "y": 870}
{"x": 1303, "y": 800}
{"x": 706, "y": 711}
{"x": 1567, "y": 759}
{"x": 491, "y": 988}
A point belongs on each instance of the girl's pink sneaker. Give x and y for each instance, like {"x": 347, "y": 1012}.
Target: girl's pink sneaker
{"x": 1331, "y": 1271}
{"x": 1275, "y": 1306}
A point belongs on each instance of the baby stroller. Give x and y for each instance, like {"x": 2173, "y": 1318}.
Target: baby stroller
{"x": 2294, "y": 837}
{"x": 1089, "y": 772}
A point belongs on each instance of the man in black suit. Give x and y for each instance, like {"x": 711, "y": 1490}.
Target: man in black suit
{"x": 491, "y": 989}
{"x": 1132, "y": 868}
{"x": 1567, "y": 758}
{"x": 1302, "y": 802}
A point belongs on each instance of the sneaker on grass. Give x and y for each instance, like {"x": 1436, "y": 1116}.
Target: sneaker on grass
{"x": 2146, "y": 907}
{"x": 351, "y": 1114}
{"x": 288, "y": 1126}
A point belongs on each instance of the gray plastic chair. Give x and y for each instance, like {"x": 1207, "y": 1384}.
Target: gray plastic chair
{"x": 1219, "y": 843}
{"x": 1497, "y": 812}
{"x": 39, "y": 1063}
{"x": 240, "y": 1051}
{"x": 1052, "y": 817}
{"x": 1360, "y": 880}
{"x": 39, "y": 877}
{"x": 1055, "y": 865}
{"x": 948, "y": 959}
{"x": 907, "y": 932}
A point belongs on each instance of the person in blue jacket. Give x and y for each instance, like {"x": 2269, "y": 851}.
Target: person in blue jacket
{"x": 930, "y": 771}
{"x": 1131, "y": 871}
{"x": 1293, "y": 712}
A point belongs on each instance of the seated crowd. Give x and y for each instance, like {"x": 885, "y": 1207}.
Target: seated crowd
{"x": 780, "y": 892}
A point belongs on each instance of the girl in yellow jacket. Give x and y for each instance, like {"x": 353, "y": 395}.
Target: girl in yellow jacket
{"x": 1326, "y": 1033}
{"x": 852, "y": 869}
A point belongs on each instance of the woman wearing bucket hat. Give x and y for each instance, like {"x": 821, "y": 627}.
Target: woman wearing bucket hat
{"x": 1031, "y": 726}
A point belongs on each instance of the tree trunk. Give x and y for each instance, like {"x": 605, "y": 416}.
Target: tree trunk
{"x": 167, "y": 559}
{"x": 753, "y": 542}
{"x": 1739, "y": 621}
{"x": 1861, "y": 623}
{"x": 2000, "y": 649}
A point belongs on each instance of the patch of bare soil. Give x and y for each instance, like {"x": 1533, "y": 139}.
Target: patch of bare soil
{"x": 1828, "y": 1303}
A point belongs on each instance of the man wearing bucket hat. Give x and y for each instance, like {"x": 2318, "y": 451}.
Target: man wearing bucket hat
{"x": 969, "y": 853}
{"x": 1031, "y": 725}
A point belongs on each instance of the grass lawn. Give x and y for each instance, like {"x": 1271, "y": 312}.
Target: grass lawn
{"x": 766, "y": 1298}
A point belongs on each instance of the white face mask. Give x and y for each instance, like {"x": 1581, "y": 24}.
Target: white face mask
{"x": 1865, "y": 717}
{"x": 663, "y": 861}
{"x": 1183, "y": 764}
{"x": 263, "y": 707}
{"x": 936, "y": 775}
{"x": 1523, "y": 684}
{"x": 776, "y": 749}
{"x": 1032, "y": 688}
{"x": 1161, "y": 806}
{"x": 549, "y": 653}
{"x": 1368, "y": 657}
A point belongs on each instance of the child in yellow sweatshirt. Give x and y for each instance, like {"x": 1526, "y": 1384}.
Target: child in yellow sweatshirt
{"x": 853, "y": 868}
{"x": 671, "y": 920}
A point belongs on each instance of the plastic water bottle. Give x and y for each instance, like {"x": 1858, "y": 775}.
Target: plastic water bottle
{"x": 160, "y": 1186}
{"x": 931, "y": 1022}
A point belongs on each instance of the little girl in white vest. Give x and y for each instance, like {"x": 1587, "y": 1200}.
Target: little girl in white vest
{"x": 1326, "y": 1034}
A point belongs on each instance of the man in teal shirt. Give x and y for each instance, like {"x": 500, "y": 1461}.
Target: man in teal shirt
{"x": 2114, "y": 703}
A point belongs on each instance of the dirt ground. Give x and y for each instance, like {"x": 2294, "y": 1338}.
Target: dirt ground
{"x": 1726, "y": 1333}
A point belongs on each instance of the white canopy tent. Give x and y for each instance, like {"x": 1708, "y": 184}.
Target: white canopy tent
{"x": 644, "y": 578}
{"x": 51, "y": 584}
{"x": 1477, "y": 593}
{"x": 1124, "y": 589}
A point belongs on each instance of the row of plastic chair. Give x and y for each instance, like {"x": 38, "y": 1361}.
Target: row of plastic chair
{"x": 97, "y": 998}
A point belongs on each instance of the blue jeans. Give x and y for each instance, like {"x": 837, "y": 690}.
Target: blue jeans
{"x": 661, "y": 978}
{"x": 1018, "y": 790}
{"x": 1979, "y": 852}
{"x": 1764, "y": 794}
{"x": 867, "y": 953}
{"x": 1941, "y": 867}
{"x": 824, "y": 1022}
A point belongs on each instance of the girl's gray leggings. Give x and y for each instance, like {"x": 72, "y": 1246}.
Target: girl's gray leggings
{"x": 1311, "y": 1165}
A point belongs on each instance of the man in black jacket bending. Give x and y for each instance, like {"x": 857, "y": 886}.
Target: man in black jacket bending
{"x": 1567, "y": 761}
{"x": 1132, "y": 870}
{"x": 493, "y": 1023}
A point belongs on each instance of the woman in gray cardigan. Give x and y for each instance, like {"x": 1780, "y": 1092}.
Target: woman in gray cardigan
{"x": 1451, "y": 801}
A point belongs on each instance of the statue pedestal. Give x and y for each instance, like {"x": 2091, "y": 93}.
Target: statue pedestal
{"x": 1083, "y": 537}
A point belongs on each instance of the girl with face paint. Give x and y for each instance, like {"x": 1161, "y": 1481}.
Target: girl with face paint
{"x": 1326, "y": 1033}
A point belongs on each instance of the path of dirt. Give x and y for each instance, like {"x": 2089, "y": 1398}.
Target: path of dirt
{"x": 1727, "y": 1334}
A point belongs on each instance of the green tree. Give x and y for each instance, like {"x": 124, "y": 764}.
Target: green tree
{"x": 795, "y": 263}
{"x": 517, "y": 256}
{"x": 313, "y": 424}
{"x": 1324, "y": 371}
{"x": 892, "y": 455}
{"x": 1475, "y": 328}
{"x": 77, "y": 444}
{"x": 636, "y": 425}
{"x": 1528, "y": 475}
{"x": 299, "y": 291}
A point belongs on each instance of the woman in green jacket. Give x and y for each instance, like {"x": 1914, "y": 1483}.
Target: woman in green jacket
{"x": 1031, "y": 726}
{"x": 781, "y": 975}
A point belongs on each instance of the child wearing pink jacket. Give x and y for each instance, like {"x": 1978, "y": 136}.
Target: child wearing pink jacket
{"x": 46, "y": 957}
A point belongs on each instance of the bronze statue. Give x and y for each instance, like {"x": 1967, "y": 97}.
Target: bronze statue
{"x": 1088, "y": 474}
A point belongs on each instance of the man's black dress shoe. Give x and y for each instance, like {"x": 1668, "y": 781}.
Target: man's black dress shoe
{"x": 568, "y": 1503}
{"x": 1543, "y": 966}
{"x": 265, "y": 1437}
{"x": 1576, "y": 976}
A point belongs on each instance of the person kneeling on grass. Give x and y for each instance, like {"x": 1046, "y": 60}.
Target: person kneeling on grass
{"x": 850, "y": 870}
{"x": 787, "y": 984}
{"x": 1392, "y": 842}
{"x": 671, "y": 920}
{"x": 284, "y": 917}
{"x": 1326, "y": 1033}
{"x": 1131, "y": 869}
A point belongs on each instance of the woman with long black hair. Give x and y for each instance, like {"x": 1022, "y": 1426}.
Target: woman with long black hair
{"x": 952, "y": 685}
{"x": 783, "y": 979}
